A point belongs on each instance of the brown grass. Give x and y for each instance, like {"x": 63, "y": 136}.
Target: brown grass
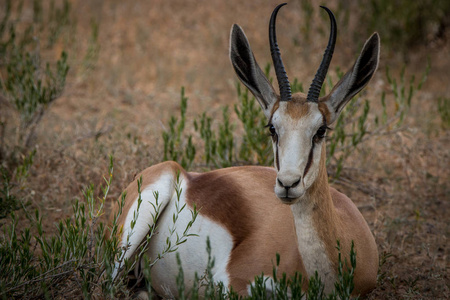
{"x": 149, "y": 49}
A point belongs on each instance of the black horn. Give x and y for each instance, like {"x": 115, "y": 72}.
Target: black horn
{"x": 283, "y": 81}
{"x": 316, "y": 85}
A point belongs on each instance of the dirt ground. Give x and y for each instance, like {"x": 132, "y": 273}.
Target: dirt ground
{"x": 120, "y": 101}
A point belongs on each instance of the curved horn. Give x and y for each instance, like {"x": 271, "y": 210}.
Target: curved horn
{"x": 316, "y": 85}
{"x": 283, "y": 81}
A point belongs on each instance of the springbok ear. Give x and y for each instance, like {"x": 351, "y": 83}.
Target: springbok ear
{"x": 249, "y": 72}
{"x": 355, "y": 79}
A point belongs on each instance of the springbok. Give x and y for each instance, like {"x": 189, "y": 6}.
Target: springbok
{"x": 251, "y": 213}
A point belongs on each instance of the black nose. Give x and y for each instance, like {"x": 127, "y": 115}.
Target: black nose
{"x": 286, "y": 186}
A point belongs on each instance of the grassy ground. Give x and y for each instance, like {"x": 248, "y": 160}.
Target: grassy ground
{"x": 118, "y": 100}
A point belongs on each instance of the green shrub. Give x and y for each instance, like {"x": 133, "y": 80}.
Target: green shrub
{"x": 30, "y": 85}
{"x": 69, "y": 262}
{"x": 11, "y": 183}
{"x": 218, "y": 149}
{"x": 444, "y": 111}
{"x": 80, "y": 257}
{"x": 256, "y": 147}
{"x": 403, "y": 24}
{"x": 358, "y": 124}
{"x": 176, "y": 147}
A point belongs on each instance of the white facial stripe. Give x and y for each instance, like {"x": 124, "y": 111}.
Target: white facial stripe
{"x": 295, "y": 140}
{"x": 294, "y": 149}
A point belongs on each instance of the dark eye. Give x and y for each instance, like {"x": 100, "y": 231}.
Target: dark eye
{"x": 320, "y": 134}
{"x": 272, "y": 130}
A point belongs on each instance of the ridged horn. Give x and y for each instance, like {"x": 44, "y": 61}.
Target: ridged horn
{"x": 283, "y": 81}
{"x": 316, "y": 85}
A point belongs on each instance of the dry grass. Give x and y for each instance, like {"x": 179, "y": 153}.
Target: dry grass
{"x": 149, "y": 49}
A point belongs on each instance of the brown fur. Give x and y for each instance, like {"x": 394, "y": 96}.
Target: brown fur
{"x": 240, "y": 198}
{"x": 325, "y": 220}
{"x": 323, "y": 108}
{"x": 337, "y": 218}
{"x": 296, "y": 108}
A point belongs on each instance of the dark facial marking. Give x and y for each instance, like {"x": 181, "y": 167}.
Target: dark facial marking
{"x": 310, "y": 157}
{"x": 274, "y": 135}
{"x": 277, "y": 159}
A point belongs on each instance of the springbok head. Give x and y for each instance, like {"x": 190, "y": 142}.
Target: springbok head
{"x": 298, "y": 122}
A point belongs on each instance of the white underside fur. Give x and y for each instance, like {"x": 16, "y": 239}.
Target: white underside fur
{"x": 312, "y": 247}
{"x": 193, "y": 254}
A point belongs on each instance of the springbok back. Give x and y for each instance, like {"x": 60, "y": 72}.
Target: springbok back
{"x": 251, "y": 213}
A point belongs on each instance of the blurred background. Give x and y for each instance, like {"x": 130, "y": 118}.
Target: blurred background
{"x": 82, "y": 80}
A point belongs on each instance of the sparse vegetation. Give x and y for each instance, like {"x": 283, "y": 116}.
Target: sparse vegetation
{"x": 28, "y": 86}
{"x": 176, "y": 146}
{"x": 69, "y": 262}
{"x": 53, "y": 140}
{"x": 405, "y": 24}
{"x": 353, "y": 127}
{"x": 79, "y": 259}
{"x": 444, "y": 111}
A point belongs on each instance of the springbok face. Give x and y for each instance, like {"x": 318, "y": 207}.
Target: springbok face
{"x": 298, "y": 123}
